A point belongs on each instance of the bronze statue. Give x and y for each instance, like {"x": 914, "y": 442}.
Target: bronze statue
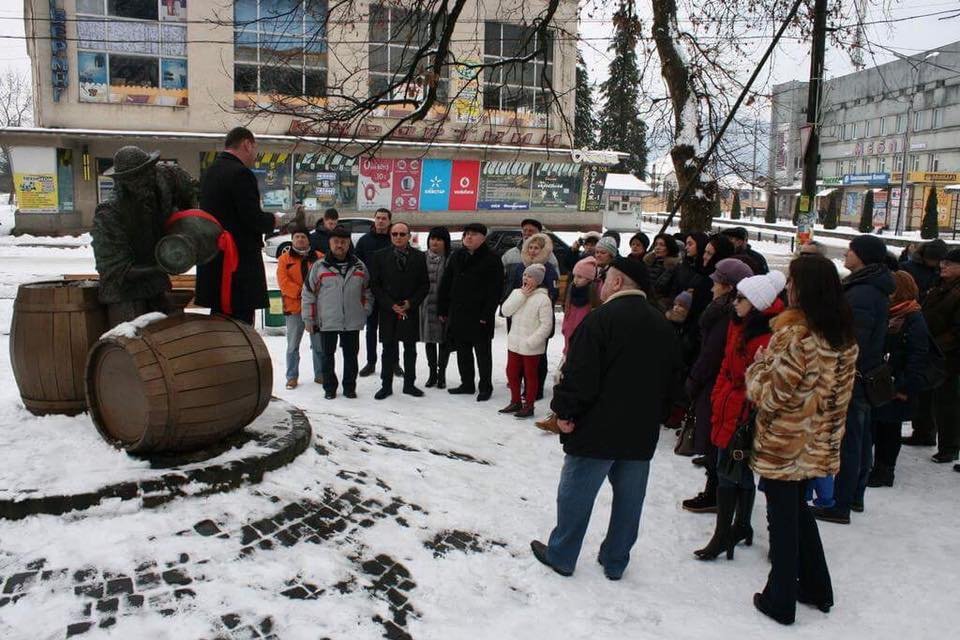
{"x": 126, "y": 231}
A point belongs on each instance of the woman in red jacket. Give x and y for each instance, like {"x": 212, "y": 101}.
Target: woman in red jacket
{"x": 757, "y": 302}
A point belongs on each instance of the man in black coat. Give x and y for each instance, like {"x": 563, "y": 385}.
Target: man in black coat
{"x": 609, "y": 419}
{"x": 399, "y": 283}
{"x": 375, "y": 240}
{"x": 467, "y": 301}
{"x": 229, "y": 192}
{"x": 867, "y": 289}
{"x": 741, "y": 243}
{"x": 321, "y": 234}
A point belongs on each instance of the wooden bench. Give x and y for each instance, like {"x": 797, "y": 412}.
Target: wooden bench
{"x": 183, "y": 282}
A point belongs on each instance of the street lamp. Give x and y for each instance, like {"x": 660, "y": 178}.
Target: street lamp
{"x": 898, "y": 229}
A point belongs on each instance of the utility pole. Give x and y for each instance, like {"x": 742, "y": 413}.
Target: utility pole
{"x": 807, "y": 214}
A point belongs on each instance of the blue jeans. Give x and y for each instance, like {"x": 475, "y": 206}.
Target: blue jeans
{"x": 580, "y": 481}
{"x": 824, "y": 490}
{"x": 856, "y": 457}
{"x": 349, "y": 346}
{"x": 295, "y": 329}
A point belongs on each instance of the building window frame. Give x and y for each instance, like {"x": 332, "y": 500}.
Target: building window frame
{"x": 519, "y": 86}
{"x": 936, "y": 121}
{"x": 394, "y": 36}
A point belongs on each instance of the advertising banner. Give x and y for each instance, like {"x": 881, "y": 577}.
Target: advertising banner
{"x": 36, "y": 192}
{"x": 435, "y": 185}
{"x": 592, "y": 180}
{"x": 406, "y": 184}
{"x": 376, "y": 185}
{"x": 555, "y": 185}
{"x": 465, "y": 179}
{"x": 505, "y": 186}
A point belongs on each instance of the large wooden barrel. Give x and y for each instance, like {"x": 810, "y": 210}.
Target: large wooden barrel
{"x": 180, "y": 384}
{"x": 54, "y": 324}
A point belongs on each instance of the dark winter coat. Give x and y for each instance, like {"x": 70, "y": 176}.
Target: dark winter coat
{"x": 758, "y": 258}
{"x": 616, "y": 408}
{"x": 431, "y": 329}
{"x": 713, "y": 333}
{"x": 729, "y": 397}
{"x": 229, "y": 192}
{"x": 868, "y": 292}
{"x": 661, "y": 272}
{"x": 908, "y": 347}
{"x": 470, "y": 293}
{"x": 320, "y": 239}
{"x": 392, "y": 285}
{"x": 925, "y": 277}
{"x": 369, "y": 244}
{"x": 941, "y": 310}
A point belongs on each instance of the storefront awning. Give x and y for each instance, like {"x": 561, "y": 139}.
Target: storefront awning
{"x": 507, "y": 168}
{"x": 560, "y": 169}
{"x": 824, "y": 192}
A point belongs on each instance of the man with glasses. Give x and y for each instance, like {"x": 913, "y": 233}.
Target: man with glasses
{"x": 470, "y": 292}
{"x": 400, "y": 283}
{"x": 376, "y": 240}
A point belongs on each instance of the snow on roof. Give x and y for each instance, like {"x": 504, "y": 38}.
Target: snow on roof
{"x": 626, "y": 182}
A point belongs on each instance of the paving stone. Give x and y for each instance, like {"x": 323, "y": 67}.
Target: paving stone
{"x": 36, "y": 565}
{"x": 396, "y": 598}
{"x": 231, "y": 620}
{"x": 298, "y": 592}
{"x": 110, "y": 605}
{"x": 286, "y": 538}
{"x": 119, "y": 585}
{"x": 147, "y": 579}
{"x": 89, "y": 590}
{"x": 265, "y": 526}
{"x": 4, "y": 602}
{"x": 206, "y": 528}
{"x": 249, "y": 535}
{"x": 77, "y": 628}
{"x": 373, "y": 567}
{"x": 20, "y": 581}
{"x": 135, "y": 600}
{"x": 145, "y": 566}
{"x": 266, "y": 545}
{"x": 175, "y": 576}
{"x": 106, "y": 623}
{"x": 184, "y": 593}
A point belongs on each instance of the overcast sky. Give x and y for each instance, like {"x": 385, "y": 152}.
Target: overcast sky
{"x": 907, "y": 35}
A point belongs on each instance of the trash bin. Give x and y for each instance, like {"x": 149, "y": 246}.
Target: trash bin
{"x": 273, "y": 315}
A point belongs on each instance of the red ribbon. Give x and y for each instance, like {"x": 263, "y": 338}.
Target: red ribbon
{"x": 226, "y": 243}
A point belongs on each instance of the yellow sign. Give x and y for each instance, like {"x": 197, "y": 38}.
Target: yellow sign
{"x": 804, "y": 203}
{"x": 36, "y": 192}
{"x": 927, "y": 177}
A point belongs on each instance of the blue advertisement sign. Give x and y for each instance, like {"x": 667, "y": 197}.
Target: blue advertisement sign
{"x": 867, "y": 179}
{"x": 435, "y": 185}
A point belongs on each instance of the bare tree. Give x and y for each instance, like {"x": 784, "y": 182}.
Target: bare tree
{"x": 16, "y": 110}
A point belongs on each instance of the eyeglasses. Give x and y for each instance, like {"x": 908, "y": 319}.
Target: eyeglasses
{"x": 398, "y": 234}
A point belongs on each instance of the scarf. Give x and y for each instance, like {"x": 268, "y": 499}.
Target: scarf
{"x": 400, "y": 256}
{"x": 580, "y": 296}
{"x": 899, "y": 313}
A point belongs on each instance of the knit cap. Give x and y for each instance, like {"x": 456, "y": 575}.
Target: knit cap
{"x": 609, "y": 245}
{"x": 731, "y": 271}
{"x": 869, "y": 248}
{"x": 586, "y": 268}
{"x": 536, "y": 272}
{"x": 684, "y": 299}
{"x": 763, "y": 290}
{"x": 952, "y": 256}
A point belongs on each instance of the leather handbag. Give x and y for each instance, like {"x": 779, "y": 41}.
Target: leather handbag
{"x": 878, "y": 385}
{"x": 685, "y": 435}
{"x": 739, "y": 449}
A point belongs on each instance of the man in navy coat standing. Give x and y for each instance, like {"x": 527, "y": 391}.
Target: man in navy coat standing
{"x": 229, "y": 192}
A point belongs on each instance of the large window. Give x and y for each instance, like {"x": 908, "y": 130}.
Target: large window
{"x": 901, "y": 123}
{"x": 396, "y": 35}
{"x": 516, "y": 86}
{"x": 280, "y": 47}
{"x": 132, "y": 51}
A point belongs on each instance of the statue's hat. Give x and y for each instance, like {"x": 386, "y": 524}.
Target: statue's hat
{"x": 130, "y": 160}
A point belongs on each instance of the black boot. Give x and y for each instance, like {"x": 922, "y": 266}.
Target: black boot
{"x": 880, "y": 476}
{"x": 722, "y": 539}
{"x": 742, "y": 531}
{"x": 706, "y": 500}
{"x": 442, "y": 367}
{"x": 431, "y": 365}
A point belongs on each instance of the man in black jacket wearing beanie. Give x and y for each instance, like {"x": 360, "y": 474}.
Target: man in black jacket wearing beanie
{"x": 603, "y": 434}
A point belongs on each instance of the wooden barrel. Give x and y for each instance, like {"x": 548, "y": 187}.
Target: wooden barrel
{"x": 54, "y": 324}
{"x": 180, "y": 384}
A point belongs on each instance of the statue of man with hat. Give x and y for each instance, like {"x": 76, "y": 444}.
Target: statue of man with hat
{"x": 127, "y": 228}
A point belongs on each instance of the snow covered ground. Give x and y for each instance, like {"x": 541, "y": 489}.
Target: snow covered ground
{"x": 464, "y": 468}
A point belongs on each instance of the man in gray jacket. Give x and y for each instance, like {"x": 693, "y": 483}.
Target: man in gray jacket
{"x": 336, "y": 302}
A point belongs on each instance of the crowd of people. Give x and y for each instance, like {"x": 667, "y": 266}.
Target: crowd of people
{"x": 795, "y": 384}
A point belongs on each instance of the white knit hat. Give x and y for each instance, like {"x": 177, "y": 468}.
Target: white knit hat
{"x": 763, "y": 290}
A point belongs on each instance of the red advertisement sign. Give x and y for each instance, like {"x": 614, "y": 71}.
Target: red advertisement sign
{"x": 464, "y": 180}
{"x": 374, "y": 185}
{"x": 406, "y": 184}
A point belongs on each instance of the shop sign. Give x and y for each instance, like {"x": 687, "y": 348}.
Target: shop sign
{"x": 435, "y": 185}
{"x": 593, "y": 178}
{"x": 465, "y": 182}
{"x": 866, "y": 179}
{"x": 375, "y": 188}
{"x": 406, "y": 184}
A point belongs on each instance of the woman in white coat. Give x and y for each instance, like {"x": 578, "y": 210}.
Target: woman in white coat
{"x": 531, "y": 312}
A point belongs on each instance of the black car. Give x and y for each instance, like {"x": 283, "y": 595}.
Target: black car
{"x": 501, "y": 240}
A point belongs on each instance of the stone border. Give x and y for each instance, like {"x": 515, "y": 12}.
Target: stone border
{"x": 206, "y": 479}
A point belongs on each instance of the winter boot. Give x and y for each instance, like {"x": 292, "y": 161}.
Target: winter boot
{"x": 722, "y": 539}
{"x": 880, "y": 476}
{"x": 549, "y": 424}
{"x": 431, "y": 366}
{"x": 706, "y": 500}
{"x": 742, "y": 531}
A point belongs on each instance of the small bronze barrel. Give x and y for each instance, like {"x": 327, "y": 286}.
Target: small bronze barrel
{"x": 188, "y": 242}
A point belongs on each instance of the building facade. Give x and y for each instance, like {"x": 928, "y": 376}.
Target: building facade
{"x": 875, "y": 122}
{"x": 175, "y": 75}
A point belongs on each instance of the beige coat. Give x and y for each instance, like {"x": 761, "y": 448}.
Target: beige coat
{"x": 801, "y": 387}
{"x": 531, "y": 321}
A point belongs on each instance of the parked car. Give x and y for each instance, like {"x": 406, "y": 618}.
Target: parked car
{"x": 280, "y": 243}
{"x": 502, "y": 239}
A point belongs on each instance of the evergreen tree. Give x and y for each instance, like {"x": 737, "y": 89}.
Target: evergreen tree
{"x": 930, "y": 227}
{"x": 771, "y": 215}
{"x": 866, "y": 215}
{"x": 621, "y": 128}
{"x": 716, "y": 212}
{"x": 832, "y": 219}
{"x": 584, "y": 123}
{"x": 735, "y": 207}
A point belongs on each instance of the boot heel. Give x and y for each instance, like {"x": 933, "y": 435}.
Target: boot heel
{"x": 730, "y": 549}
{"x": 749, "y": 539}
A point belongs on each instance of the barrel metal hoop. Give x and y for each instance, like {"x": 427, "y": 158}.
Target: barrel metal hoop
{"x": 173, "y": 405}
{"x": 28, "y": 307}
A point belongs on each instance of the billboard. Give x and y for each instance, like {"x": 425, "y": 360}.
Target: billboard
{"x": 375, "y": 189}
{"x": 505, "y": 186}
{"x": 464, "y": 180}
{"x": 435, "y": 185}
{"x": 406, "y": 184}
